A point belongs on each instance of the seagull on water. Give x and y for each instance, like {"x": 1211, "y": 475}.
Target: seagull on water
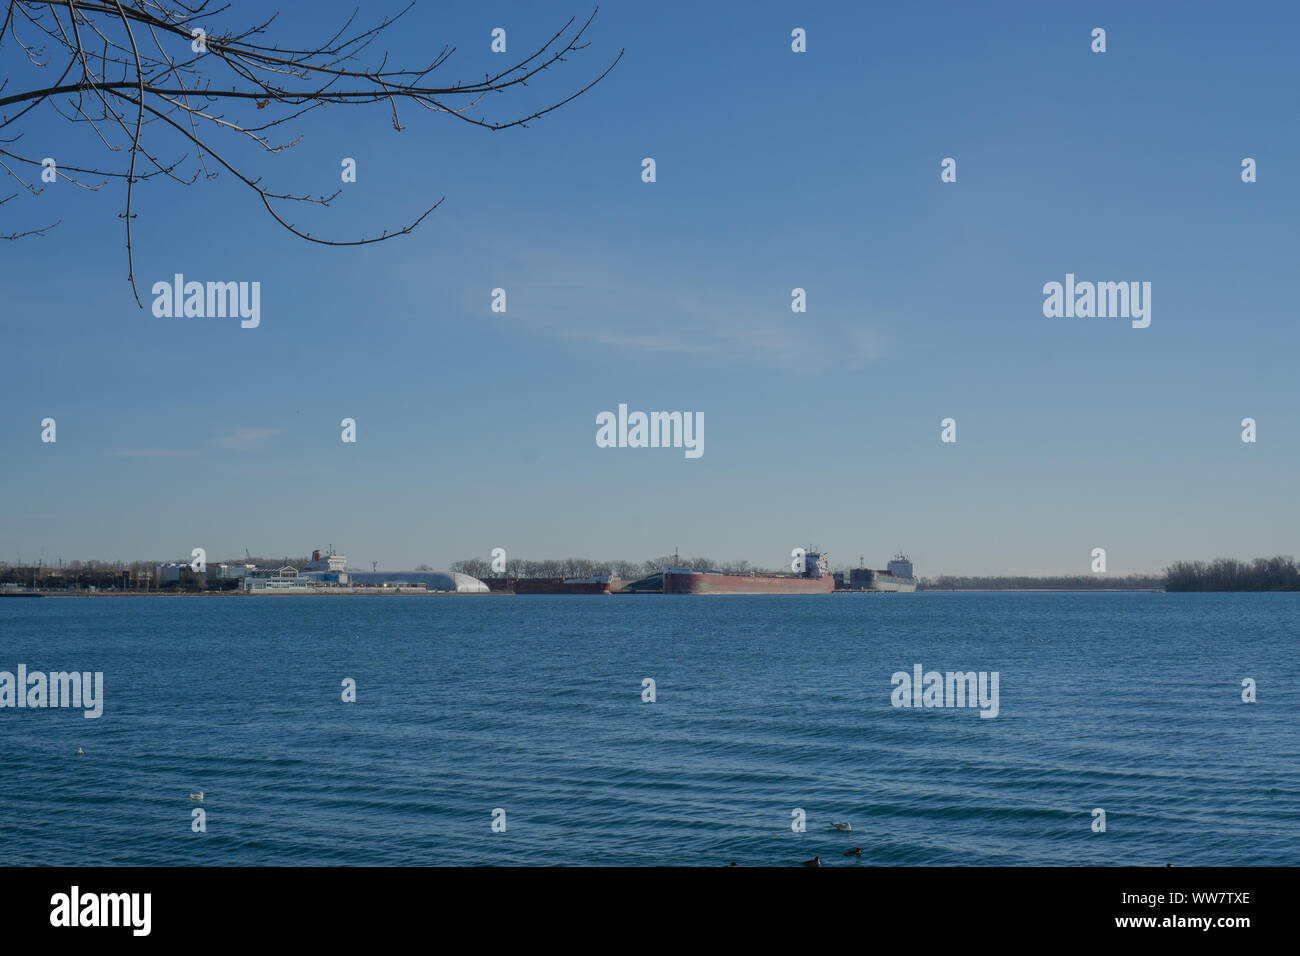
{"x": 843, "y": 827}
{"x": 815, "y": 861}
{"x": 197, "y": 796}
{"x": 856, "y": 851}
{"x": 80, "y": 752}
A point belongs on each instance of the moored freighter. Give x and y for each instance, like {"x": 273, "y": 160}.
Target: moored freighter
{"x": 898, "y": 577}
{"x": 814, "y": 579}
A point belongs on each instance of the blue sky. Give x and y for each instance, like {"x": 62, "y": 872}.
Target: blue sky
{"x": 775, "y": 170}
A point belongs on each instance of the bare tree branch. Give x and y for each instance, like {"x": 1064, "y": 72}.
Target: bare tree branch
{"x": 132, "y": 71}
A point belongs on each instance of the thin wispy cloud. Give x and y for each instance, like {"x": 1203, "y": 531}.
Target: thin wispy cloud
{"x": 245, "y": 437}
{"x": 642, "y": 310}
{"x": 143, "y": 452}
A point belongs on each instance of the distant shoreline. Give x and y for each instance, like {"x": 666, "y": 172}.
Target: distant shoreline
{"x": 411, "y": 592}
{"x": 1222, "y": 575}
{"x": 391, "y": 592}
{"x": 1047, "y": 590}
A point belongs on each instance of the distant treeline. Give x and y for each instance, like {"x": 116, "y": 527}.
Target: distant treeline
{"x": 1278, "y": 573}
{"x": 127, "y": 575}
{"x": 585, "y": 567}
{"x": 77, "y": 574}
{"x": 1080, "y": 582}
{"x": 1228, "y": 574}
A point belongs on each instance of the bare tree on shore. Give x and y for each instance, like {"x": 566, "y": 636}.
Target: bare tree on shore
{"x": 586, "y": 567}
{"x": 143, "y": 77}
{"x": 1278, "y": 573}
{"x": 1025, "y": 582}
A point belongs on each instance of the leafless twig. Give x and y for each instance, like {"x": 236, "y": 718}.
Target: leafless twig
{"x": 133, "y": 70}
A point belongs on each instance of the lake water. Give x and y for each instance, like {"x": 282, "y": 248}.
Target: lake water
{"x": 1131, "y": 703}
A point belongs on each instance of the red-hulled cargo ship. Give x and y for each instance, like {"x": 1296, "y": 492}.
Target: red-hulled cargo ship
{"x": 815, "y": 579}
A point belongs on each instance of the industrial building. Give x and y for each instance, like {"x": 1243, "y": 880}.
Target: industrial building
{"x": 325, "y": 572}
{"x": 432, "y": 580}
{"x": 329, "y": 571}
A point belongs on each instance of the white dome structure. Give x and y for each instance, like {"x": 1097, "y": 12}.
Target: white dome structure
{"x": 450, "y": 581}
{"x": 465, "y": 584}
